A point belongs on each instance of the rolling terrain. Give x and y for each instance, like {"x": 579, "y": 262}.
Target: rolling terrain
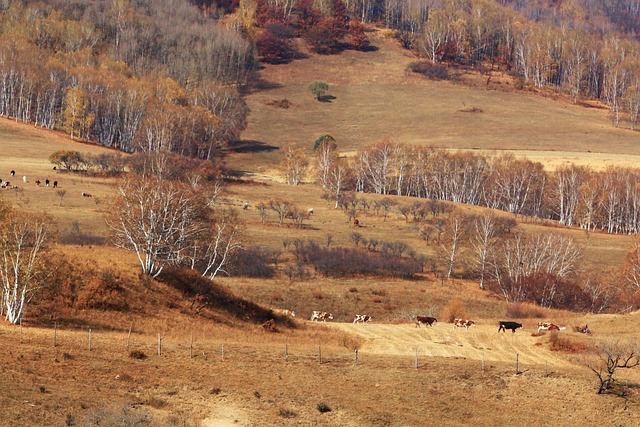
{"x": 254, "y": 385}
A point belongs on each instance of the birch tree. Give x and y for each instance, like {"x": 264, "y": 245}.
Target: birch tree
{"x": 23, "y": 246}
{"x": 157, "y": 219}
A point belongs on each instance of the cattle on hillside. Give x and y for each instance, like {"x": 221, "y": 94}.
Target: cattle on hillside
{"x": 426, "y": 320}
{"x": 316, "y": 316}
{"x": 361, "y": 318}
{"x": 463, "y": 323}
{"x": 509, "y": 325}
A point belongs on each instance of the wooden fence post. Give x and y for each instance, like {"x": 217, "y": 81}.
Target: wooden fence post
{"x": 222, "y": 352}
{"x": 355, "y": 361}
{"x": 20, "y": 331}
{"x": 191, "y": 347}
{"x": 483, "y": 362}
{"x": 286, "y": 353}
{"x": 129, "y": 336}
{"x": 319, "y": 356}
{"x": 517, "y": 370}
{"x": 159, "y": 344}
{"x": 89, "y": 339}
{"x": 55, "y": 333}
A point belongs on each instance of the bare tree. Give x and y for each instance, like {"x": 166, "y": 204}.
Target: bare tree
{"x": 157, "y": 219}
{"x": 611, "y": 357}
{"x": 484, "y": 238}
{"x": 23, "y": 246}
{"x": 455, "y": 229}
{"x": 281, "y": 207}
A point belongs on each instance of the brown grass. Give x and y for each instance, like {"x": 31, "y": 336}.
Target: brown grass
{"x": 254, "y": 385}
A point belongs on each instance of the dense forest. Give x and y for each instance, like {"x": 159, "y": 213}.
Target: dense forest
{"x": 142, "y": 75}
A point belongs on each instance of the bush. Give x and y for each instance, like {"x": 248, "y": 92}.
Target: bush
{"x": 430, "y": 70}
{"x": 137, "y": 354}
{"x": 566, "y": 345}
{"x": 323, "y": 407}
{"x": 519, "y": 310}
{"x": 254, "y": 262}
{"x": 454, "y": 310}
{"x": 104, "y": 292}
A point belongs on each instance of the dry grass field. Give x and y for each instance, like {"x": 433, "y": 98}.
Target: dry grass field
{"x": 255, "y": 385}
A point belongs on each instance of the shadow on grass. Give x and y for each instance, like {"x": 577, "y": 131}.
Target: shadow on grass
{"x": 250, "y": 146}
{"x": 326, "y": 98}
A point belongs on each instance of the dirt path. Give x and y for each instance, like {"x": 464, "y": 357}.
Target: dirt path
{"x": 442, "y": 341}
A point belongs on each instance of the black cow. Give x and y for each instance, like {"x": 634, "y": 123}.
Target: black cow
{"x": 509, "y": 325}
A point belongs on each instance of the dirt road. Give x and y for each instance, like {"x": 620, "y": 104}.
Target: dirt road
{"x": 442, "y": 340}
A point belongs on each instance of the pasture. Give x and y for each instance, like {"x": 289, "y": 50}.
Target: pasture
{"x": 255, "y": 385}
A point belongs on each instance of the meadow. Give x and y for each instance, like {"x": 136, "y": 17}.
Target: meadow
{"x": 304, "y": 373}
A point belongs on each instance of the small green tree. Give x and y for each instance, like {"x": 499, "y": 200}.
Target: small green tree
{"x": 318, "y": 88}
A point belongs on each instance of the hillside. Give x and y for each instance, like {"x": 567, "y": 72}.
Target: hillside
{"x": 375, "y": 99}
{"x": 191, "y": 382}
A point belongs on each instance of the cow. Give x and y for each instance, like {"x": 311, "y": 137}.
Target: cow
{"x": 583, "y": 329}
{"x": 245, "y": 206}
{"x": 509, "y": 325}
{"x": 310, "y": 211}
{"x": 55, "y": 184}
{"x": 24, "y": 178}
{"x": 285, "y": 312}
{"x": 426, "y": 320}
{"x": 38, "y": 182}
{"x": 46, "y": 182}
{"x": 361, "y": 318}
{"x": 463, "y": 323}
{"x": 547, "y": 326}
{"x": 321, "y": 315}
{"x": 356, "y": 222}
{"x": 13, "y": 172}
{"x": 86, "y": 194}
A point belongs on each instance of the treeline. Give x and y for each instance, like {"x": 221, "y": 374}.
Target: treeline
{"x": 143, "y": 75}
{"x": 572, "y": 195}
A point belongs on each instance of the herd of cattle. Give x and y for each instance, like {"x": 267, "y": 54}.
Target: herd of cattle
{"x": 503, "y": 325}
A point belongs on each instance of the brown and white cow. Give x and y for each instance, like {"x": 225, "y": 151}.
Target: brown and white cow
{"x": 361, "y": 318}
{"x": 463, "y": 323}
{"x": 316, "y": 316}
{"x": 426, "y": 320}
{"x": 547, "y": 326}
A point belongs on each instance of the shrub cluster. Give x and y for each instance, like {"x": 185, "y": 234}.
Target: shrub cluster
{"x": 345, "y": 262}
{"x": 430, "y": 70}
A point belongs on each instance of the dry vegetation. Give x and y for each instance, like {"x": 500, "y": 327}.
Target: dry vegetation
{"x": 254, "y": 385}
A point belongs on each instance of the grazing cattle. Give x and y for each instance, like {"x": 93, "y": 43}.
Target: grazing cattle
{"x": 310, "y": 211}
{"x": 245, "y": 206}
{"x": 38, "y": 182}
{"x": 285, "y": 312}
{"x": 356, "y": 222}
{"x": 361, "y": 318}
{"x": 509, "y": 325}
{"x": 55, "y": 184}
{"x": 13, "y": 172}
{"x": 426, "y": 320}
{"x": 46, "y": 182}
{"x": 24, "y": 178}
{"x": 463, "y": 323}
{"x": 583, "y": 329}
{"x": 86, "y": 194}
{"x": 5, "y": 184}
{"x": 321, "y": 315}
{"x": 547, "y": 326}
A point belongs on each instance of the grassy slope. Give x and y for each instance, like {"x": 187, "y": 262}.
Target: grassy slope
{"x": 376, "y": 99}
{"x": 77, "y": 383}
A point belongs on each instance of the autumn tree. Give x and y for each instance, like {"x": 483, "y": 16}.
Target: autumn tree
{"x": 157, "y": 219}
{"x": 294, "y": 164}
{"x": 24, "y": 239}
{"x": 76, "y": 116}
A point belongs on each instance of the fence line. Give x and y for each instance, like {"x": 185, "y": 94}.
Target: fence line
{"x": 177, "y": 347}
